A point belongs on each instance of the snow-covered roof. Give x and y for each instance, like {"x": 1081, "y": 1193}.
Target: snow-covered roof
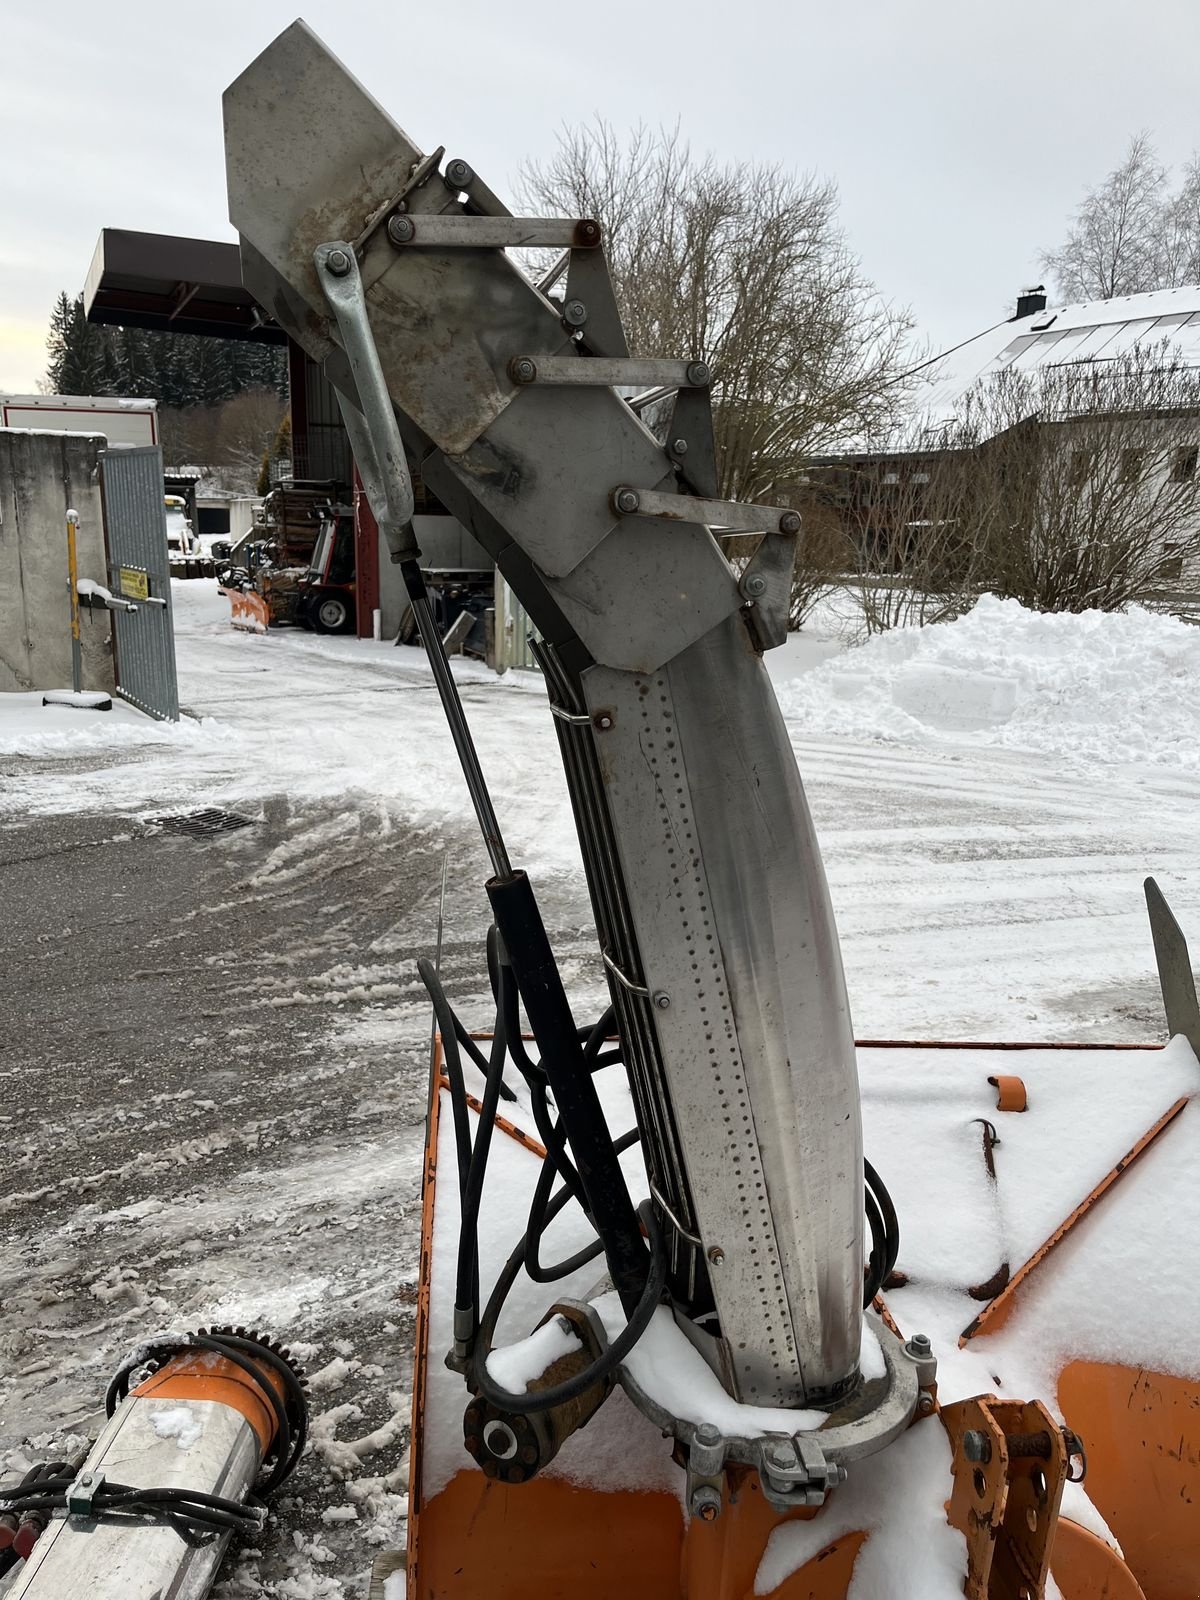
{"x": 1097, "y": 330}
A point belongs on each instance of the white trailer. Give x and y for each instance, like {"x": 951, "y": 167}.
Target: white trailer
{"x": 121, "y": 421}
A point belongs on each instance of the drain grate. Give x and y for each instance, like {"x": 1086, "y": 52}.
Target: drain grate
{"x": 204, "y": 824}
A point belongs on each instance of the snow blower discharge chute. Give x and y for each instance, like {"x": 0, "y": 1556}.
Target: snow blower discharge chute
{"x": 706, "y": 1250}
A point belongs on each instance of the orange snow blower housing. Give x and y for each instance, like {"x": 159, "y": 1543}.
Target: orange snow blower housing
{"x": 603, "y": 1519}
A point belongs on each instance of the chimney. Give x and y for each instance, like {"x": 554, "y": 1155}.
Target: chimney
{"x": 1032, "y": 300}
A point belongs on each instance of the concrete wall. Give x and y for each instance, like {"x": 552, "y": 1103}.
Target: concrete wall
{"x": 42, "y": 474}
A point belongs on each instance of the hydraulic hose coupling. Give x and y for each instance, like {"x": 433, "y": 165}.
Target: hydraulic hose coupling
{"x": 201, "y": 1428}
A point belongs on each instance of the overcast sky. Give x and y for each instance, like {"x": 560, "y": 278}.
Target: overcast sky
{"x": 961, "y": 134}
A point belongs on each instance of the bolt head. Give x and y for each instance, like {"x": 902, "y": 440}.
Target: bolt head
{"x": 755, "y": 584}
{"x": 628, "y": 500}
{"x": 976, "y": 1445}
{"x": 459, "y": 172}
{"x": 338, "y": 262}
{"x": 789, "y": 522}
{"x": 400, "y": 229}
{"x": 679, "y": 447}
{"x": 603, "y": 720}
{"x": 588, "y": 231}
{"x": 698, "y": 374}
{"x": 716, "y": 1255}
{"x": 574, "y": 313}
{"x": 925, "y": 1405}
{"x": 522, "y": 370}
{"x": 919, "y": 1346}
{"x": 708, "y": 1433}
{"x": 662, "y": 1000}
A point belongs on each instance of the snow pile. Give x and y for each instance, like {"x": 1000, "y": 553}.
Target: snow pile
{"x": 1099, "y": 686}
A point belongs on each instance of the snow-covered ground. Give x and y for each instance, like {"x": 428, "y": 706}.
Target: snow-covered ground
{"x": 989, "y": 797}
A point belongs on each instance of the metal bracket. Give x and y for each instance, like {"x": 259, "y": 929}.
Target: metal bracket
{"x": 589, "y": 284}
{"x": 460, "y": 177}
{"x": 767, "y": 587}
{"x": 798, "y": 1469}
{"x": 374, "y": 432}
{"x": 421, "y": 173}
{"x": 1175, "y": 977}
{"x": 609, "y": 372}
{"x": 727, "y": 515}
{"x": 463, "y": 231}
{"x": 82, "y": 1493}
{"x": 1010, "y": 1464}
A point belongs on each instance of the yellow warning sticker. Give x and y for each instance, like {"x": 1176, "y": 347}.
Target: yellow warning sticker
{"x": 135, "y": 585}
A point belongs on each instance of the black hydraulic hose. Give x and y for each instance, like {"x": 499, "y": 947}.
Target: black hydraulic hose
{"x": 890, "y": 1218}
{"x": 467, "y": 1285}
{"x": 539, "y": 983}
{"x": 559, "y": 1393}
{"x": 877, "y": 1258}
{"x": 458, "y": 1088}
{"x": 539, "y": 1219}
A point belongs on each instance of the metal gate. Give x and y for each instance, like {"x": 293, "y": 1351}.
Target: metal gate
{"x": 513, "y": 630}
{"x": 135, "y": 536}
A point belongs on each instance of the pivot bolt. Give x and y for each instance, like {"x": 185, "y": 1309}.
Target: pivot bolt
{"x": 587, "y": 231}
{"x": 627, "y": 500}
{"x": 522, "y": 370}
{"x": 400, "y": 229}
{"x": 338, "y": 263}
{"x": 789, "y": 522}
{"x": 976, "y": 1445}
{"x": 754, "y": 584}
{"x": 698, "y": 374}
{"x": 459, "y": 173}
{"x": 706, "y": 1503}
{"x": 574, "y": 313}
{"x": 925, "y": 1405}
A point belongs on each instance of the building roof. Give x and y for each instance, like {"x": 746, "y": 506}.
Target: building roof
{"x": 158, "y": 280}
{"x": 1097, "y": 330}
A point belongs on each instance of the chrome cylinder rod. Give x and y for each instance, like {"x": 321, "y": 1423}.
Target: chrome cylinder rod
{"x": 460, "y": 731}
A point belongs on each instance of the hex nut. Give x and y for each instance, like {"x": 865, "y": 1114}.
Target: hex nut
{"x": 716, "y": 1255}
{"x": 628, "y": 500}
{"x": 522, "y": 370}
{"x": 706, "y": 1503}
{"x": 400, "y": 229}
{"x": 662, "y": 1000}
{"x": 338, "y": 263}
{"x": 679, "y": 447}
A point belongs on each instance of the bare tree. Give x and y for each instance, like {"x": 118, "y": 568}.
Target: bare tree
{"x": 229, "y": 438}
{"x": 1131, "y": 233}
{"x": 906, "y": 551}
{"x": 746, "y": 266}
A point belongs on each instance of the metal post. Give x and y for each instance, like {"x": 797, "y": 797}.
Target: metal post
{"x": 73, "y": 576}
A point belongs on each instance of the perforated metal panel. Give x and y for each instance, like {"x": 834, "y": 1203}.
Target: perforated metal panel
{"x": 135, "y": 532}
